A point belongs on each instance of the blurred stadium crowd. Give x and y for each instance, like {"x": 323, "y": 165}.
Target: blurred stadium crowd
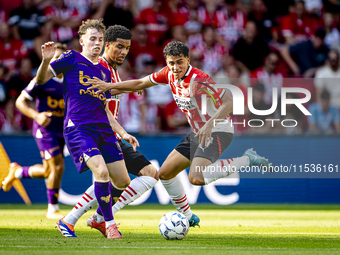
{"x": 258, "y": 43}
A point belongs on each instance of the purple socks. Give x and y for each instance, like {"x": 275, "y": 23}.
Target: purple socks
{"x": 52, "y": 196}
{"x": 25, "y": 174}
{"x": 103, "y": 195}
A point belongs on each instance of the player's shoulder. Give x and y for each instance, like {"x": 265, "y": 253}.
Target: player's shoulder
{"x": 102, "y": 62}
{"x": 68, "y": 55}
{"x": 198, "y": 73}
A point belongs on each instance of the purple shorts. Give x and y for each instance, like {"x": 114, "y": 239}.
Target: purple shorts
{"x": 50, "y": 143}
{"x": 86, "y": 141}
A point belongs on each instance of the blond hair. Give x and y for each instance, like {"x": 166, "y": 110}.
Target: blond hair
{"x": 91, "y": 23}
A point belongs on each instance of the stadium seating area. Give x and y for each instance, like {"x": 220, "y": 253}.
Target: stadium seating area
{"x": 261, "y": 44}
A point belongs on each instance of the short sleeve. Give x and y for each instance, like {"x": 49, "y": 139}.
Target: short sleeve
{"x": 313, "y": 110}
{"x": 160, "y": 77}
{"x": 62, "y": 64}
{"x": 30, "y": 91}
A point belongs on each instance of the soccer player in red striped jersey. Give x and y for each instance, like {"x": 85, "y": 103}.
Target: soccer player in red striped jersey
{"x": 207, "y": 140}
{"x": 117, "y": 44}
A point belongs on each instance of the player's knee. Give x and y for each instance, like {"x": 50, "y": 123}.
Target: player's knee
{"x": 196, "y": 181}
{"x": 123, "y": 183}
{"x": 149, "y": 170}
{"x": 165, "y": 175}
{"x": 101, "y": 174}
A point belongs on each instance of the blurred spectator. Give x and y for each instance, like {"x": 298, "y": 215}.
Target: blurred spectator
{"x": 298, "y": 26}
{"x": 234, "y": 74}
{"x": 328, "y": 77}
{"x": 332, "y": 6}
{"x": 175, "y": 119}
{"x": 45, "y": 36}
{"x": 19, "y": 81}
{"x": 230, "y": 23}
{"x": 266, "y": 24}
{"x": 65, "y": 20}
{"x": 212, "y": 51}
{"x": 156, "y": 104}
{"x": 114, "y": 15}
{"x": 269, "y": 76}
{"x": 259, "y": 104}
{"x": 325, "y": 118}
{"x": 195, "y": 58}
{"x": 16, "y": 121}
{"x": 12, "y": 50}
{"x": 305, "y": 57}
{"x": 75, "y": 45}
{"x": 25, "y": 22}
{"x": 195, "y": 16}
{"x": 83, "y": 7}
{"x": 3, "y": 85}
{"x": 332, "y": 32}
{"x": 142, "y": 50}
{"x": 278, "y": 8}
{"x": 157, "y": 21}
{"x": 293, "y": 117}
{"x": 223, "y": 75}
{"x": 250, "y": 44}
{"x": 314, "y": 6}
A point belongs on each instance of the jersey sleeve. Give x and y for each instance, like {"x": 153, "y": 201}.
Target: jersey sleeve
{"x": 30, "y": 91}
{"x": 61, "y": 65}
{"x": 160, "y": 77}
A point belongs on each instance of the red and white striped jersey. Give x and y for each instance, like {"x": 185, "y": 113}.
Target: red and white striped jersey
{"x": 114, "y": 101}
{"x": 187, "y": 94}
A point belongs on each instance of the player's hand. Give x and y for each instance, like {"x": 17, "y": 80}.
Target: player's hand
{"x": 204, "y": 135}
{"x": 43, "y": 118}
{"x": 102, "y": 86}
{"x": 131, "y": 140}
{"x": 48, "y": 50}
{"x": 140, "y": 92}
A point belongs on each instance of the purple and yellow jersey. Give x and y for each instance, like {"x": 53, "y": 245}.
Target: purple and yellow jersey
{"x": 82, "y": 106}
{"x": 49, "y": 98}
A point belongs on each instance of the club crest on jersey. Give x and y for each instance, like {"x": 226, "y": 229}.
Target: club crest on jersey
{"x": 103, "y": 75}
{"x": 106, "y": 199}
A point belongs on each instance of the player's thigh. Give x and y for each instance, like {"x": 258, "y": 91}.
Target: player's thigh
{"x": 98, "y": 167}
{"x": 173, "y": 165}
{"x": 119, "y": 174}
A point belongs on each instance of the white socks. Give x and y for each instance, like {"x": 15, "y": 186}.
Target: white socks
{"x": 177, "y": 195}
{"x": 87, "y": 201}
{"x": 223, "y": 168}
{"x": 137, "y": 187}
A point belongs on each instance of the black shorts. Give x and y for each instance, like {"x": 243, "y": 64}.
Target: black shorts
{"x": 134, "y": 160}
{"x": 189, "y": 148}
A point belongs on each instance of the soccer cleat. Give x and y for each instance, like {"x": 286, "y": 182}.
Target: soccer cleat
{"x": 67, "y": 230}
{"x": 112, "y": 232}
{"x": 54, "y": 215}
{"x": 8, "y": 181}
{"x": 194, "y": 221}
{"x": 91, "y": 222}
{"x": 256, "y": 160}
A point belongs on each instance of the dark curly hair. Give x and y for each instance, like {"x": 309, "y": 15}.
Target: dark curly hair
{"x": 176, "y": 48}
{"x": 112, "y": 33}
{"x": 91, "y": 23}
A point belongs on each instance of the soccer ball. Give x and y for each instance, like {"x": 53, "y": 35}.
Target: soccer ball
{"x": 174, "y": 226}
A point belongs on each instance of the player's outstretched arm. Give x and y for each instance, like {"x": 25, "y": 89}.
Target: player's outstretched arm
{"x": 42, "y": 118}
{"x": 225, "y": 109}
{"x": 131, "y": 85}
{"x": 120, "y": 130}
{"x": 44, "y": 74}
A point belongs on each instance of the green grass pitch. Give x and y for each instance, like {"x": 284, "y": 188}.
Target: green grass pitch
{"x": 237, "y": 229}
